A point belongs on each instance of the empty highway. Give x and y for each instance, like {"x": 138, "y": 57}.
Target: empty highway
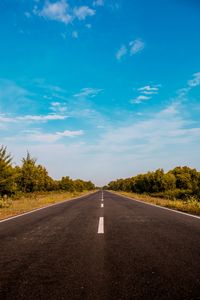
{"x": 101, "y": 246}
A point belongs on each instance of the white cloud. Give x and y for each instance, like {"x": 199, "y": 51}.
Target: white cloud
{"x": 98, "y": 3}
{"x": 55, "y": 104}
{"x": 57, "y": 11}
{"x": 163, "y": 139}
{"x": 63, "y": 35}
{"x": 149, "y": 90}
{"x": 41, "y": 118}
{"x": 41, "y": 137}
{"x": 115, "y": 6}
{"x": 88, "y": 92}
{"x": 133, "y": 47}
{"x": 53, "y": 137}
{"x": 70, "y": 133}
{"x": 136, "y": 46}
{"x": 58, "y": 107}
{"x": 121, "y": 52}
{"x": 146, "y": 139}
{"x": 182, "y": 94}
{"x": 14, "y": 97}
{"x": 195, "y": 81}
{"x": 89, "y": 26}
{"x": 75, "y": 34}
{"x": 32, "y": 118}
{"x": 121, "y": 151}
{"x": 4, "y": 119}
{"x": 83, "y": 11}
{"x": 62, "y": 11}
{"x": 140, "y": 99}
{"x": 146, "y": 92}
{"x": 170, "y": 110}
{"x": 27, "y": 14}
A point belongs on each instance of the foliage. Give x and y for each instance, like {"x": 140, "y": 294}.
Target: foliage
{"x": 32, "y": 177}
{"x": 179, "y": 183}
{"x": 7, "y": 173}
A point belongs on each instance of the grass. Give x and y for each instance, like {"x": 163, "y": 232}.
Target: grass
{"x": 9, "y": 207}
{"x": 191, "y": 205}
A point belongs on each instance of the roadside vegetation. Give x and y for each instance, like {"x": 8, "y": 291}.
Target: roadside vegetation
{"x": 178, "y": 189}
{"x": 29, "y": 186}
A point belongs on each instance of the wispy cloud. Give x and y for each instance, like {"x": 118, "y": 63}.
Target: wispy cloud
{"x": 6, "y": 119}
{"x": 83, "y": 11}
{"x": 150, "y": 141}
{"x": 145, "y": 93}
{"x": 42, "y": 137}
{"x": 182, "y": 93}
{"x": 121, "y": 52}
{"x": 32, "y": 118}
{"x": 61, "y": 11}
{"x": 89, "y": 26}
{"x": 75, "y": 34}
{"x": 98, "y": 3}
{"x": 129, "y": 149}
{"x": 70, "y": 133}
{"x": 133, "y": 48}
{"x": 56, "y": 11}
{"x": 88, "y": 92}
{"x": 58, "y": 107}
{"x": 14, "y": 97}
{"x": 195, "y": 81}
{"x": 149, "y": 90}
{"x": 27, "y": 14}
{"x": 140, "y": 99}
{"x": 41, "y": 118}
{"x": 143, "y": 129}
{"x": 136, "y": 46}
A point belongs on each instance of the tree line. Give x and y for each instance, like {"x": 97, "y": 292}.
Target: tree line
{"x": 179, "y": 183}
{"x": 31, "y": 177}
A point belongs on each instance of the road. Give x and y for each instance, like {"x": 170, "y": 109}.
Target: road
{"x": 100, "y": 247}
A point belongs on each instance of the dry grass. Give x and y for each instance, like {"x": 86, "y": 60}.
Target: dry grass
{"x": 9, "y": 207}
{"x": 190, "y": 206}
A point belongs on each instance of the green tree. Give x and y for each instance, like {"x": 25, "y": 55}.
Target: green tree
{"x": 33, "y": 177}
{"x": 7, "y": 173}
{"x": 67, "y": 184}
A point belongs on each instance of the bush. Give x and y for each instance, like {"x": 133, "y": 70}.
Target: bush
{"x": 179, "y": 183}
{"x": 31, "y": 177}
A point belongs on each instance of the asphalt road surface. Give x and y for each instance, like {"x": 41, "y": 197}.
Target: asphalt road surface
{"x": 100, "y": 247}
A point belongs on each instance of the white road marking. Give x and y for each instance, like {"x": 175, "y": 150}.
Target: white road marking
{"x": 158, "y": 206}
{"x": 101, "y": 225}
{"x": 102, "y": 205}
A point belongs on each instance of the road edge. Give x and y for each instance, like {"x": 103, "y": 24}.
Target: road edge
{"x": 46, "y": 206}
{"x": 158, "y": 206}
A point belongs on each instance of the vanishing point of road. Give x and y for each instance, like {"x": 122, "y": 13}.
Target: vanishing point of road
{"x": 101, "y": 246}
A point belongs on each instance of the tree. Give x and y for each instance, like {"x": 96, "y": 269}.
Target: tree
{"x": 180, "y": 182}
{"x": 30, "y": 177}
{"x": 7, "y": 174}
{"x": 33, "y": 177}
{"x": 67, "y": 184}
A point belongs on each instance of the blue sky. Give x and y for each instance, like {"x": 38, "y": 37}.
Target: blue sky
{"x": 101, "y": 89}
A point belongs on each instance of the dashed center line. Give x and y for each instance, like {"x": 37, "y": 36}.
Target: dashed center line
{"x": 101, "y": 225}
{"x": 102, "y": 205}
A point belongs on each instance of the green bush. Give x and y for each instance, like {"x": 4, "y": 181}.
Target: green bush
{"x": 179, "y": 183}
{"x": 31, "y": 178}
